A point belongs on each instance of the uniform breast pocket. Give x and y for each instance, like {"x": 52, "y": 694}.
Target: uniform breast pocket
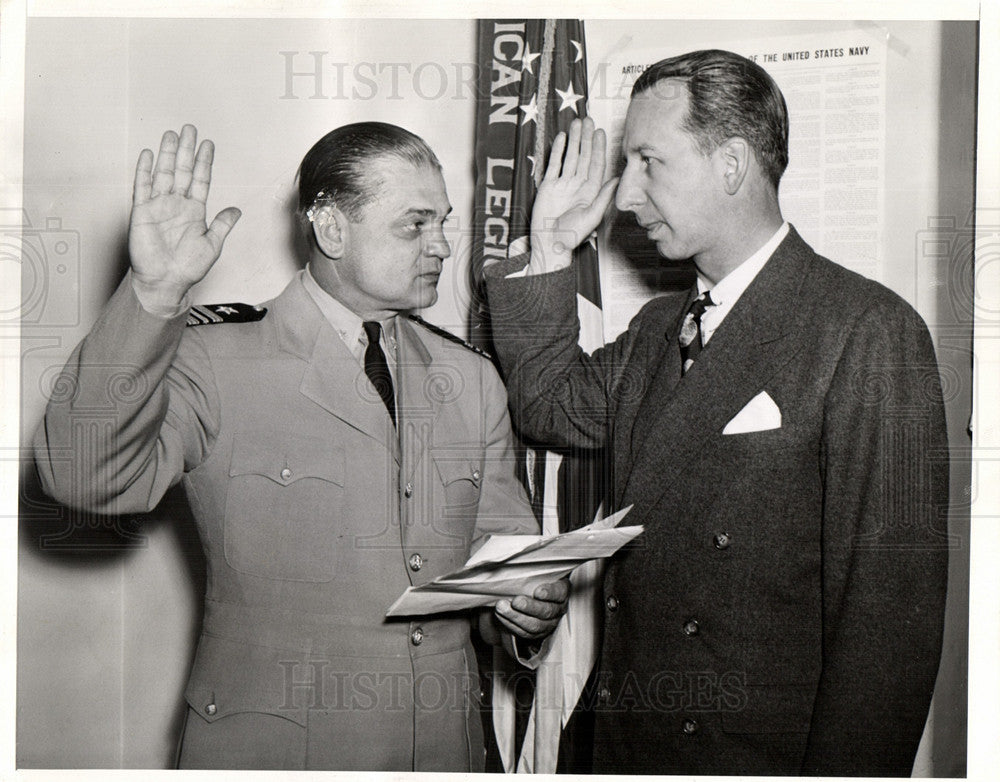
{"x": 283, "y": 506}
{"x": 460, "y": 476}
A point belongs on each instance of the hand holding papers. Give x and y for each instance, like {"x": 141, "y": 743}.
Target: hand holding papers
{"x": 509, "y": 565}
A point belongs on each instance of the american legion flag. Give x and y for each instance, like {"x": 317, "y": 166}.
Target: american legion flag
{"x": 532, "y": 84}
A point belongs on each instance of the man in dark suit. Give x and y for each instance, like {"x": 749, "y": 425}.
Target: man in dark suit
{"x": 335, "y": 452}
{"x": 779, "y": 430}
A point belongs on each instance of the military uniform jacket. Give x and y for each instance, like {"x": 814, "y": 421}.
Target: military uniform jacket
{"x": 783, "y": 611}
{"x": 314, "y": 515}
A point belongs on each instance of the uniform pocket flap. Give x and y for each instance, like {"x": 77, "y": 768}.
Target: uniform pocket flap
{"x": 286, "y": 460}
{"x": 453, "y": 467}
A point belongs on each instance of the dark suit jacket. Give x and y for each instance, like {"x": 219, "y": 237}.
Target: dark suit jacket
{"x": 782, "y": 613}
{"x": 313, "y": 514}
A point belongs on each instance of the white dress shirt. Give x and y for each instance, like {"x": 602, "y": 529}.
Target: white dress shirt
{"x": 728, "y": 290}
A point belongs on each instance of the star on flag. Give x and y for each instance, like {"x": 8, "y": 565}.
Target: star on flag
{"x": 569, "y": 98}
{"x": 530, "y": 110}
{"x": 528, "y": 58}
{"x": 579, "y": 51}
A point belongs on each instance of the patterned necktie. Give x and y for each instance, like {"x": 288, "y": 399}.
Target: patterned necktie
{"x": 690, "y": 336}
{"x": 377, "y": 369}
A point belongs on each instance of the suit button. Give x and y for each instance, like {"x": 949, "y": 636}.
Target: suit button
{"x": 416, "y": 562}
{"x": 417, "y": 636}
{"x": 690, "y": 726}
{"x": 210, "y": 709}
{"x": 286, "y": 474}
{"x": 722, "y": 540}
{"x": 408, "y": 490}
{"x": 691, "y": 627}
{"x": 604, "y": 695}
{"x": 612, "y": 603}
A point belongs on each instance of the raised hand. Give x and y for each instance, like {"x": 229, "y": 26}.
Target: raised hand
{"x": 572, "y": 197}
{"x": 169, "y": 245}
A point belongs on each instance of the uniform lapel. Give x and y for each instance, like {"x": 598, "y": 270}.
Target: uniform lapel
{"x": 333, "y": 378}
{"x": 417, "y": 407}
{"x": 758, "y": 336}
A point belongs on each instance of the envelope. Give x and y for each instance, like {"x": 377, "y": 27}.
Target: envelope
{"x": 510, "y": 565}
{"x": 759, "y": 415}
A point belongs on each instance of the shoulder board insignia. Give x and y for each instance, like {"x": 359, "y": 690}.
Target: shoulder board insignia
{"x": 205, "y": 314}
{"x": 449, "y": 336}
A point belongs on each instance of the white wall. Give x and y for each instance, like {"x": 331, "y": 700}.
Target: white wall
{"x": 105, "y": 635}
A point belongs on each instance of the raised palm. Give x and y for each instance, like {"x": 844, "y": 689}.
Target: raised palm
{"x": 170, "y": 246}
{"x": 572, "y": 196}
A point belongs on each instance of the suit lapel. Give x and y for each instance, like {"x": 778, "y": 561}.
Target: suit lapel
{"x": 656, "y": 362}
{"x": 758, "y": 336}
{"x": 333, "y": 378}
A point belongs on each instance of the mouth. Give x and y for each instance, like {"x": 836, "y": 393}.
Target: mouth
{"x": 651, "y": 228}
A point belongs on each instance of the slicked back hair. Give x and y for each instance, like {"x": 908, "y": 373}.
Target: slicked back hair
{"x": 338, "y": 167}
{"x": 728, "y": 95}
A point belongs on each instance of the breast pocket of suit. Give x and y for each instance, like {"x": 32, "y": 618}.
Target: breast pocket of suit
{"x": 460, "y": 475}
{"x": 283, "y": 506}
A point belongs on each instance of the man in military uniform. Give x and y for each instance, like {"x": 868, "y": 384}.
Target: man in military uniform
{"x": 334, "y": 452}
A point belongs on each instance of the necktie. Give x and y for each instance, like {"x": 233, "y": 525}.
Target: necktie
{"x": 377, "y": 369}
{"x": 690, "y": 336}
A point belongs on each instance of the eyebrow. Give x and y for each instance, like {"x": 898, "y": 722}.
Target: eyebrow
{"x": 416, "y": 212}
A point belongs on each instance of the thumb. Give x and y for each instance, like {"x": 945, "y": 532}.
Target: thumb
{"x": 594, "y": 213}
{"x": 222, "y": 225}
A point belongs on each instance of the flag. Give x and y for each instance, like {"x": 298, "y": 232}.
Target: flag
{"x": 532, "y": 85}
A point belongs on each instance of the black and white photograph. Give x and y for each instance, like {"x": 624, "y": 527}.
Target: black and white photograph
{"x": 500, "y": 388}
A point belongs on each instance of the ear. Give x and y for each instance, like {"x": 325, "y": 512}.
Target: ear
{"x": 330, "y": 228}
{"x": 735, "y": 157}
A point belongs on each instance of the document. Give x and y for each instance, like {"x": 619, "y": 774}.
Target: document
{"x": 510, "y": 565}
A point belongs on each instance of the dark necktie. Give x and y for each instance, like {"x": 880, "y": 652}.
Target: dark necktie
{"x": 690, "y": 336}
{"x": 377, "y": 369}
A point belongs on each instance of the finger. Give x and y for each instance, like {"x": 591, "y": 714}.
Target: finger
{"x": 598, "y": 157}
{"x": 586, "y": 146}
{"x": 163, "y": 174}
{"x": 202, "y": 174}
{"x": 521, "y": 624}
{"x": 572, "y": 149}
{"x": 143, "y": 183}
{"x": 555, "y": 156}
{"x": 595, "y": 212}
{"x": 553, "y": 592}
{"x": 221, "y": 226}
{"x": 536, "y": 609}
{"x": 185, "y": 159}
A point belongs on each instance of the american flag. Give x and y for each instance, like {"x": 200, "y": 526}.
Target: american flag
{"x": 532, "y": 85}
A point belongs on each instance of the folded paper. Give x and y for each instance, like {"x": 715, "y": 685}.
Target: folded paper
{"x": 509, "y": 565}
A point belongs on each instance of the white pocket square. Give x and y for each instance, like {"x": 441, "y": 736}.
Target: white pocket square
{"x": 759, "y": 414}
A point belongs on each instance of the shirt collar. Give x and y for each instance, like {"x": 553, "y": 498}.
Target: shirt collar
{"x": 345, "y": 322}
{"x": 729, "y": 289}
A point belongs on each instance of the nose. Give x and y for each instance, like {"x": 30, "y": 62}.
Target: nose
{"x": 436, "y": 245}
{"x": 629, "y": 196}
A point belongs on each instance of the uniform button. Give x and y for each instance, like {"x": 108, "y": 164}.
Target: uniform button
{"x": 691, "y": 627}
{"x": 612, "y": 603}
{"x": 690, "y": 726}
{"x": 722, "y": 540}
{"x": 210, "y": 709}
{"x": 416, "y": 562}
{"x": 286, "y": 474}
{"x": 604, "y": 695}
{"x": 408, "y": 490}
{"x": 417, "y": 636}
{"x": 476, "y": 475}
